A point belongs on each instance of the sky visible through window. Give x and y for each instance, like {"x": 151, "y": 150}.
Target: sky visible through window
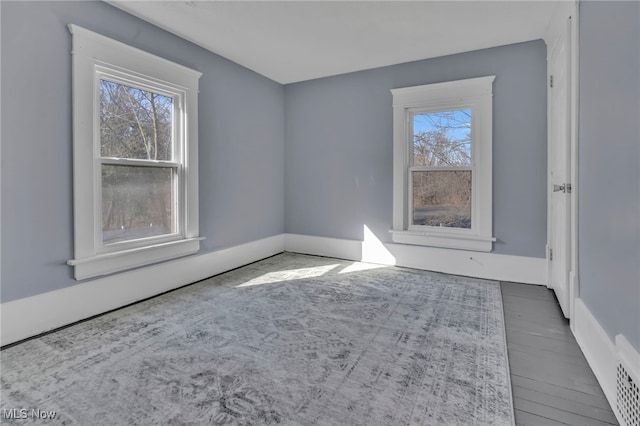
{"x": 442, "y": 138}
{"x": 459, "y": 121}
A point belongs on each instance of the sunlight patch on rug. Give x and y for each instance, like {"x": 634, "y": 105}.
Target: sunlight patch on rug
{"x": 289, "y": 275}
{"x": 361, "y": 266}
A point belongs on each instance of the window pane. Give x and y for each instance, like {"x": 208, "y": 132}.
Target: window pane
{"x": 135, "y": 123}
{"x": 442, "y": 138}
{"x": 442, "y": 198}
{"x": 136, "y": 202}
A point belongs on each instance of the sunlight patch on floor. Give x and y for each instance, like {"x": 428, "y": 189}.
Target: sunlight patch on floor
{"x": 361, "y": 266}
{"x": 289, "y": 275}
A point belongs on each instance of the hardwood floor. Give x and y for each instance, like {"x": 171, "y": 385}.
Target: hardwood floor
{"x": 551, "y": 380}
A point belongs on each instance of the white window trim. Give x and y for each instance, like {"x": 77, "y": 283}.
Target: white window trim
{"x": 95, "y": 55}
{"x": 475, "y": 94}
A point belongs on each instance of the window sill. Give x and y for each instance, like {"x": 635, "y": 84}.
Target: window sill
{"x": 445, "y": 240}
{"x": 109, "y": 263}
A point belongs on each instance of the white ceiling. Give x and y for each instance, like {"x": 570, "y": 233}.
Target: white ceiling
{"x": 290, "y": 41}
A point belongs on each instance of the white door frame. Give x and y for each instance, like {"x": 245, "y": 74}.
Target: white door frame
{"x": 558, "y": 28}
{"x": 574, "y": 287}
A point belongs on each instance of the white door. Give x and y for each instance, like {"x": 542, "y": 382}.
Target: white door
{"x": 559, "y": 173}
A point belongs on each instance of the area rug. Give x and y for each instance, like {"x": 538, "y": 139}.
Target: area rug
{"x": 291, "y": 340}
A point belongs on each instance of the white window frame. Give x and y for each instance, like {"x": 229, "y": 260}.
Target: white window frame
{"x": 475, "y": 94}
{"x": 97, "y": 57}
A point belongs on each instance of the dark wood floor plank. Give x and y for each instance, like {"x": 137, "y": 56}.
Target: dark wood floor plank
{"x": 551, "y": 380}
{"x": 557, "y": 372}
{"x": 538, "y": 327}
{"x": 585, "y": 410}
{"x": 556, "y": 378}
{"x": 527, "y": 290}
{"x": 598, "y": 401}
{"x": 546, "y": 355}
{"x": 556, "y": 414}
{"x": 527, "y": 419}
{"x": 538, "y": 310}
{"x": 566, "y": 347}
{"x": 532, "y": 308}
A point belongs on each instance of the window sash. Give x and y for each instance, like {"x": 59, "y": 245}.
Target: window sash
{"x": 108, "y": 72}
{"x": 411, "y": 113}
{"x": 437, "y": 229}
{"x": 113, "y": 74}
{"x": 457, "y": 106}
{"x": 141, "y": 85}
{"x": 116, "y": 161}
{"x": 177, "y": 206}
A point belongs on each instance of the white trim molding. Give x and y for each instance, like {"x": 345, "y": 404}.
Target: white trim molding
{"x": 597, "y": 348}
{"x": 97, "y": 58}
{"x": 492, "y": 266}
{"x": 475, "y": 95}
{"x": 30, "y": 316}
{"x": 455, "y": 241}
{"x": 574, "y": 285}
{"x": 109, "y": 263}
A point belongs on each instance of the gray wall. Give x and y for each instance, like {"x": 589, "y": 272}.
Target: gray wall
{"x": 241, "y": 138}
{"x": 609, "y": 165}
{"x": 338, "y": 146}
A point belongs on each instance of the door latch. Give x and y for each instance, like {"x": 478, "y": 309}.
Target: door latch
{"x": 565, "y": 187}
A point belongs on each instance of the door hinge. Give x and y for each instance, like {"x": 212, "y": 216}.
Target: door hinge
{"x": 551, "y": 81}
{"x": 550, "y": 254}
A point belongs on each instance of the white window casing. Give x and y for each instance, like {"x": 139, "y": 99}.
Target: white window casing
{"x": 473, "y": 94}
{"x": 97, "y": 57}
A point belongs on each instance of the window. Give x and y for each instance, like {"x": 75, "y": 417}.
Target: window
{"x": 442, "y": 164}
{"x": 135, "y": 157}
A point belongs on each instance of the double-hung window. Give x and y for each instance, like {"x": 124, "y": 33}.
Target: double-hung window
{"x": 442, "y": 164}
{"x": 135, "y": 142}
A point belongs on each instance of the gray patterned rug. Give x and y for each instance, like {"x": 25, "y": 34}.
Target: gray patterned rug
{"x": 292, "y": 340}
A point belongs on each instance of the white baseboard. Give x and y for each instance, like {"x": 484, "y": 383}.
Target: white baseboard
{"x": 24, "y": 318}
{"x": 598, "y": 349}
{"x": 31, "y": 316}
{"x": 574, "y": 286}
{"x": 492, "y": 266}
{"x": 324, "y": 246}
